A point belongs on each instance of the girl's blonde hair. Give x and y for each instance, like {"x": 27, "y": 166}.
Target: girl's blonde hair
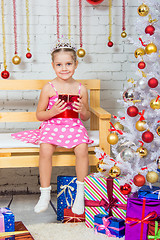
{"x": 70, "y": 50}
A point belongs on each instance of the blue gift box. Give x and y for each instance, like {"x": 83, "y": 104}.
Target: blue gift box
{"x": 66, "y": 194}
{"x": 149, "y": 193}
{"x": 7, "y": 221}
{"x": 111, "y": 226}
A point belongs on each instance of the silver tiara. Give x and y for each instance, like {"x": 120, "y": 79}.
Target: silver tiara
{"x": 63, "y": 43}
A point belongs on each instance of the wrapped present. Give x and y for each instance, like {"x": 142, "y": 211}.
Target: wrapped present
{"x": 102, "y": 195}
{"x": 111, "y": 226}
{"x": 154, "y": 230}
{"x": 66, "y": 194}
{"x": 69, "y": 216}
{"x": 139, "y": 213}
{"x": 7, "y": 221}
{"x": 149, "y": 193}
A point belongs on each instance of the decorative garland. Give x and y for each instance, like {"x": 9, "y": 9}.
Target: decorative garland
{"x": 69, "y": 20}
{"x": 110, "y": 43}
{"x": 123, "y": 34}
{"x": 57, "y": 8}
{"x": 4, "y": 74}
{"x": 80, "y": 52}
{"x": 28, "y": 54}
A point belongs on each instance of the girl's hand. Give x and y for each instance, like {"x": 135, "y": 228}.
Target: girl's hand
{"x": 79, "y": 107}
{"x": 59, "y": 107}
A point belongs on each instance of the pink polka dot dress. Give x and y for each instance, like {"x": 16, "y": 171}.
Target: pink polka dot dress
{"x": 64, "y": 132}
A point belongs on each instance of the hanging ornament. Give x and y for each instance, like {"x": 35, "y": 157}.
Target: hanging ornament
{"x": 141, "y": 65}
{"x": 80, "y": 52}
{"x": 28, "y": 54}
{"x": 128, "y": 95}
{"x": 142, "y": 84}
{"x": 132, "y": 111}
{"x": 114, "y": 171}
{"x": 118, "y": 126}
{"x": 112, "y": 138}
{"x": 152, "y": 177}
{"x": 16, "y": 59}
{"x": 158, "y": 130}
{"x": 150, "y": 30}
{"x": 150, "y": 48}
{"x": 139, "y": 52}
{"x": 4, "y": 74}
{"x": 125, "y": 189}
{"x": 139, "y": 180}
{"x": 123, "y": 34}
{"x": 142, "y": 151}
{"x": 153, "y": 82}
{"x": 155, "y": 103}
{"x": 95, "y": 2}
{"x": 140, "y": 125}
{"x": 99, "y": 169}
{"x": 143, "y": 10}
{"x": 147, "y": 136}
{"x": 127, "y": 154}
{"x": 110, "y": 43}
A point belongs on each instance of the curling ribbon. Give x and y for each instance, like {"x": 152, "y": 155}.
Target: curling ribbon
{"x": 102, "y": 156}
{"x": 157, "y": 232}
{"x": 157, "y": 98}
{"x": 142, "y": 143}
{"x": 150, "y": 19}
{"x": 114, "y": 129}
{"x": 158, "y": 122}
{"x": 115, "y": 117}
{"x": 143, "y": 44}
{"x": 142, "y": 115}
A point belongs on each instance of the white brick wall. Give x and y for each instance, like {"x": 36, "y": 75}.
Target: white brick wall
{"x": 112, "y": 65}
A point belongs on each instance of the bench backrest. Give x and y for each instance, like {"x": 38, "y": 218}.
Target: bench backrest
{"x": 91, "y": 84}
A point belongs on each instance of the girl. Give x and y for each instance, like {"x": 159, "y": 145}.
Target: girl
{"x": 61, "y": 125}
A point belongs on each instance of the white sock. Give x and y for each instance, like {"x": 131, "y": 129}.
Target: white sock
{"x": 44, "y": 200}
{"x": 78, "y": 206}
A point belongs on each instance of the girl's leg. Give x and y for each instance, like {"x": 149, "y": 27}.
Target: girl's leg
{"x": 82, "y": 162}
{"x": 45, "y": 171}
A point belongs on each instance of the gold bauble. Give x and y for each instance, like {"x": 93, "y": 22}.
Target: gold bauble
{"x": 140, "y": 125}
{"x": 143, "y": 10}
{"x": 139, "y": 52}
{"x": 123, "y": 34}
{"x": 114, "y": 171}
{"x": 81, "y": 52}
{"x": 155, "y": 104}
{"x": 118, "y": 126}
{"x": 158, "y": 131}
{"x": 150, "y": 48}
{"x": 152, "y": 177}
{"x": 142, "y": 151}
{"x": 112, "y": 138}
{"x": 98, "y": 167}
{"x": 16, "y": 60}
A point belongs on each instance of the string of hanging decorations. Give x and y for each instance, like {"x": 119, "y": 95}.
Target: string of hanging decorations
{"x": 28, "y": 54}
{"x": 4, "y": 74}
{"x": 80, "y": 52}
{"x": 16, "y": 59}
{"x": 123, "y": 34}
{"x": 57, "y": 13}
{"x": 69, "y": 19}
{"x": 110, "y": 43}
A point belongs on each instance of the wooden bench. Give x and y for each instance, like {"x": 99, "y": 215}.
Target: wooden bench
{"x": 29, "y": 156}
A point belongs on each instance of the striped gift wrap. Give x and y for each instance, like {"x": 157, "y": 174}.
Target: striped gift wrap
{"x": 96, "y": 189}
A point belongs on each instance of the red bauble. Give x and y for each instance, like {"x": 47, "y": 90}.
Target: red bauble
{"x": 153, "y": 82}
{"x": 5, "y": 74}
{"x": 139, "y": 180}
{"x": 132, "y": 111}
{"x": 28, "y": 55}
{"x": 141, "y": 65}
{"x": 95, "y": 2}
{"x": 125, "y": 189}
{"x": 110, "y": 44}
{"x": 147, "y": 137}
{"x": 149, "y": 30}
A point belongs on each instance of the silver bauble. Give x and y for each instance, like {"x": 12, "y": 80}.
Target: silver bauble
{"x": 142, "y": 83}
{"x": 127, "y": 154}
{"x": 128, "y": 95}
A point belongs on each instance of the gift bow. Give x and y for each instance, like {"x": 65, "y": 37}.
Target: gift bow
{"x": 64, "y": 189}
{"x": 5, "y": 210}
{"x": 158, "y": 193}
{"x": 104, "y": 226}
{"x": 69, "y": 218}
{"x": 134, "y": 221}
{"x": 157, "y": 232}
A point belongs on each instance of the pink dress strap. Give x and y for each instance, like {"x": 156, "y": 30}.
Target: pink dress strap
{"x": 79, "y": 91}
{"x": 54, "y": 88}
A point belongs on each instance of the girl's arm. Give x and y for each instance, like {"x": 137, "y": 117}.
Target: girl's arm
{"x": 82, "y": 105}
{"x": 42, "y": 113}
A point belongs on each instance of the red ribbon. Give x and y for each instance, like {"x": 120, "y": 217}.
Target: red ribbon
{"x": 142, "y": 143}
{"x": 134, "y": 221}
{"x": 104, "y": 203}
{"x": 157, "y": 98}
{"x": 67, "y": 114}
{"x": 158, "y": 122}
{"x": 102, "y": 156}
{"x": 143, "y": 44}
{"x": 142, "y": 115}
{"x": 122, "y": 118}
{"x": 114, "y": 129}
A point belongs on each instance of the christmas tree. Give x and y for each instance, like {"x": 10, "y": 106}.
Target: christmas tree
{"x": 135, "y": 135}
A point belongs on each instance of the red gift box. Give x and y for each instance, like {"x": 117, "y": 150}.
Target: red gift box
{"x": 69, "y": 216}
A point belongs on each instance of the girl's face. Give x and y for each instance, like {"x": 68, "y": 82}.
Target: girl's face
{"x": 64, "y": 65}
